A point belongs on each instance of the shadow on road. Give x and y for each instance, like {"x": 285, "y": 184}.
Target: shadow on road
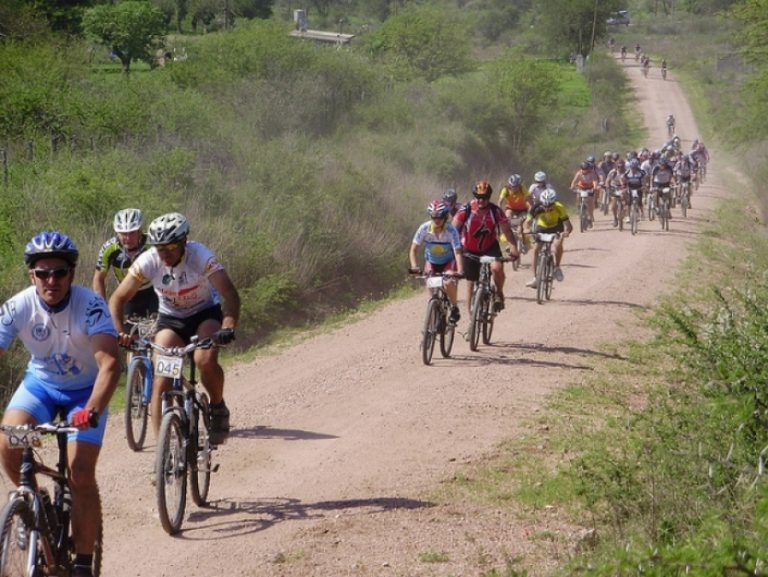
{"x": 229, "y": 518}
{"x": 264, "y": 432}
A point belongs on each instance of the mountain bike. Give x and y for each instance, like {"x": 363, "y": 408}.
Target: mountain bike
{"x": 620, "y": 210}
{"x": 184, "y": 446}
{"x": 545, "y": 266}
{"x": 437, "y": 319}
{"x": 583, "y": 208}
{"x": 482, "y": 311}
{"x": 651, "y": 202}
{"x": 605, "y": 201}
{"x": 138, "y": 383}
{"x": 664, "y": 213}
{"x": 634, "y": 209}
{"x": 516, "y": 222}
{"x": 36, "y": 536}
{"x": 685, "y": 197}
{"x": 664, "y": 72}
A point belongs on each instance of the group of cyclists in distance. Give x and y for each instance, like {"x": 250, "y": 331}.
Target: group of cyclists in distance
{"x": 73, "y": 333}
{"x": 456, "y": 234}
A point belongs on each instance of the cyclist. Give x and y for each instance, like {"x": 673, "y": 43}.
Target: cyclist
{"x": 634, "y": 179}
{"x": 614, "y": 188}
{"x": 670, "y": 123}
{"x": 118, "y": 253}
{"x": 586, "y": 178}
{"x": 516, "y": 202}
{"x": 74, "y": 368}
{"x": 478, "y": 223}
{"x": 637, "y": 52}
{"x": 623, "y": 53}
{"x": 550, "y": 216}
{"x": 450, "y": 198}
{"x": 684, "y": 169}
{"x": 191, "y": 285}
{"x": 539, "y": 185}
{"x": 664, "y": 68}
{"x": 442, "y": 250}
{"x": 661, "y": 177}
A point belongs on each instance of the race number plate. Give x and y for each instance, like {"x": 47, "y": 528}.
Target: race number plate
{"x": 435, "y": 282}
{"x": 168, "y": 366}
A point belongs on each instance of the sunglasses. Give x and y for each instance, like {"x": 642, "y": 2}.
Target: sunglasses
{"x": 171, "y": 246}
{"x": 45, "y": 273}
{"x": 482, "y": 197}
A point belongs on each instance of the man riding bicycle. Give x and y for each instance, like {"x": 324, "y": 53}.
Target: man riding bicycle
{"x": 548, "y": 217}
{"x": 196, "y": 296}
{"x": 442, "y": 250}
{"x": 74, "y": 368}
{"x": 119, "y": 253}
{"x": 478, "y": 222}
{"x": 515, "y": 201}
{"x": 586, "y": 178}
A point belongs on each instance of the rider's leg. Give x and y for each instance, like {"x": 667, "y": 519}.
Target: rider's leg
{"x": 557, "y": 246}
{"x": 166, "y": 338}
{"x": 470, "y": 289}
{"x": 497, "y": 270}
{"x": 451, "y": 289}
{"x": 86, "y": 504}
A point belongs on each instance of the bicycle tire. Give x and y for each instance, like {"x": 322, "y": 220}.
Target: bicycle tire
{"x": 200, "y": 456}
{"x": 684, "y": 205}
{"x": 651, "y": 208}
{"x": 663, "y": 215}
{"x": 16, "y": 555}
{"x": 549, "y": 277}
{"x": 633, "y": 218}
{"x": 135, "y": 408}
{"x": 488, "y": 317}
{"x": 583, "y": 217}
{"x": 429, "y": 333}
{"x": 447, "y": 336}
{"x": 476, "y": 319}
{"x": 620, "y": 215}
{"x": 171, "y": 473}
{"x": 540, "y": 276}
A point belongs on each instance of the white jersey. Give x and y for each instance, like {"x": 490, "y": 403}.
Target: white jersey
{"x": 183, "y": 290}
{"x": 57, "y": 339}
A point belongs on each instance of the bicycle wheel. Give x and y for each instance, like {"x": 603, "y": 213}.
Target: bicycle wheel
{"x": 135, "y": 408}
{"x": 446, "y": 336}
{"x": 620, "y": 213}
{"x": 429, "y": 334}
{"x": 201, "y": 454}
{"x": 541, "y": 275}
{"x": 475, "y": 322}
{"x": 488, "y": 317}
{"x": 17, "y": 539}
{"x": 651, "y": 207}
{"x": 633, "y": 218}
{"x": 684, "y": 205}
{"x": 549, "y": 277}
{"x": 583, "y": 217}
{"x": 171, "y": 473}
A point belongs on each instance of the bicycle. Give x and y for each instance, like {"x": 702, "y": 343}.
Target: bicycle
{"x": 583, "y": 208}
{"x": 685, "y": 197}
{"x": 618, "y": 195}
{"x": 436, "y": 321}
{"x": 651, "y": 205}
{"x": 516, "y": 222}
{"x": 36, "y": 535}
{"x": 671, "y": 129}
{"x": 545, "y": 266}
{"x": 605, "y": 201}
{"x": 184, "y": 444}
{"x": 138, "y": 383}
{"x": 482, "y": 311}
{"x": 664, "y": 214}
{"x": 634, "y": 210}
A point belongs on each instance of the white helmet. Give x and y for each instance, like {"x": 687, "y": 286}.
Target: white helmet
{"x": 168, "y": 228}
{"x": 540, "y": 177}
{"x": 548, "y": 197}
{"x": 128, "y": 220}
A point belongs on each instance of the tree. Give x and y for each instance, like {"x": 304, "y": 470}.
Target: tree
{"x": 134, "y": 30}
{"x": 574, "y": 25}
{"x": 423, "y": 41}
{"x": 754, "y": 38}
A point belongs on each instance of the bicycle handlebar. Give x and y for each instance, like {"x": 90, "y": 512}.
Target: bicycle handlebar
{"x": 195, "y": 343}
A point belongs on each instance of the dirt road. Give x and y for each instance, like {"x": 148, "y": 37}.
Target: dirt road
{"x": 340, "y": 441}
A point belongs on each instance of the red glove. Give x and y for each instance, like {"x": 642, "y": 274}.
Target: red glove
{"x": 82, "y": 419}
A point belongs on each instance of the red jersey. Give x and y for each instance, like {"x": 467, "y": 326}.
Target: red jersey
{"x": 479, "y": 231}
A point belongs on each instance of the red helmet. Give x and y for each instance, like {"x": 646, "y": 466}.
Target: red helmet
{"x": 482, "y": 189}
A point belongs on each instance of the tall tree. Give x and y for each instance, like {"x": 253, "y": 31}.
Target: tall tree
{"x": 574, "y": 25}
{"x": 134, "y": 30}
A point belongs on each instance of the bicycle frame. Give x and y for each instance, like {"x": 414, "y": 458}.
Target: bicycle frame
{"x": 545, "y": 267}
{"x": 50, "y": 550}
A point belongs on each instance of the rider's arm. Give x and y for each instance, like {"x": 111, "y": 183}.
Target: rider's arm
{"x": 459, "y": 261}
{"x": 105, "y": 352}
{"x": 230, "y": 305}
{"x": 123, "y": 293}
{"x": 99, "y": 283}
{"x": 412, "y": 255}
{"x": 568, "y": 227}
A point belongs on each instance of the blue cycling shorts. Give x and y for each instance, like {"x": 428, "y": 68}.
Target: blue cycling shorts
{"x": 43, "y": 402}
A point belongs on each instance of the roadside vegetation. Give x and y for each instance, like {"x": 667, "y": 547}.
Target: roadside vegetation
{"x": 661, "y": 458}
{"x": 306, "y": 168}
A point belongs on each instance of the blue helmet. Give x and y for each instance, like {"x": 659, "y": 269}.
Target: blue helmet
{"x": 50, "y": 244}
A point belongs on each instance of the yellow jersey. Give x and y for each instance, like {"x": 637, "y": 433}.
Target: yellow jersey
{"x": 551, "y": 218}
